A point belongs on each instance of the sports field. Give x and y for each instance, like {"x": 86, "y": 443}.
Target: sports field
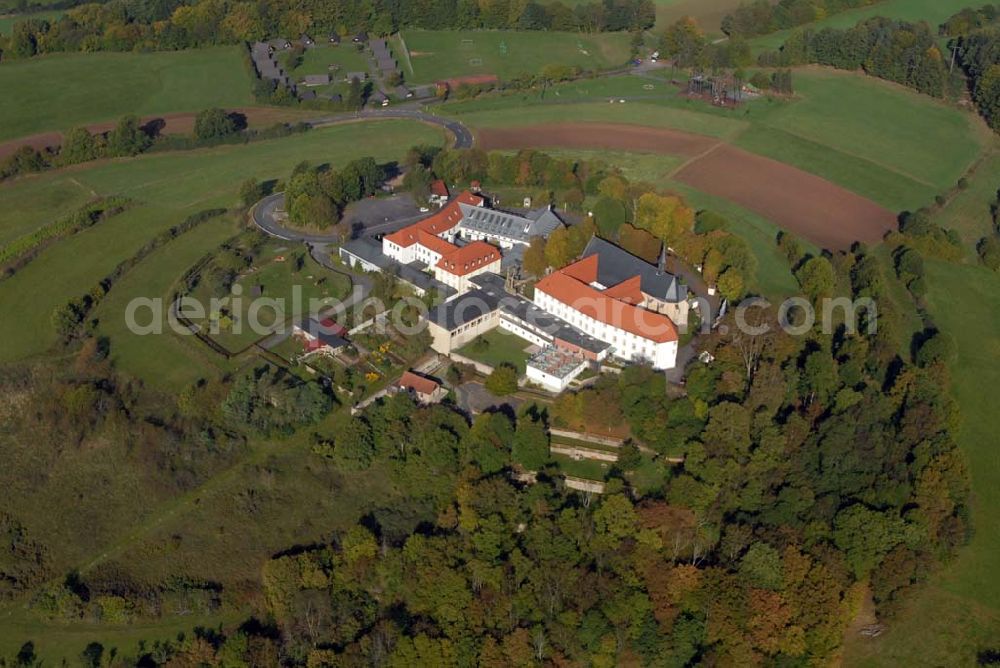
{"x": 432, "y": 55}
{"x": 60, "y": 91}
{"x": 169, "y": 187}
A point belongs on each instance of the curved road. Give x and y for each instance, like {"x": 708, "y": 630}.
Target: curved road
{"x": 263, "y": 212}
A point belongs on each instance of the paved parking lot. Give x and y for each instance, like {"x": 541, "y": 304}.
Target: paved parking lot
{"x": 382, "y": 215}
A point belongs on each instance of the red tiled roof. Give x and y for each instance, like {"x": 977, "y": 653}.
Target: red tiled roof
{"x": 584, "y": 270}
{"x": 419, "y": 384}
{"x": 598, "y": 305}
{"x": 436, "y": 244}
{"x": 629, "y": 290}
{"x": 439, "y": 223}
{"x": 469, "y": 258}
{"x": 439, "y": 188}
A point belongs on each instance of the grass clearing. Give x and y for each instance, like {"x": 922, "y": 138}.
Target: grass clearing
{"x": 168, "y": 187}
{"x": 969, "y": 211}
{"x": 39, "y": 203}
{"x": 164, "y": 360}
{"x": 81, "y": 88}
{"x": 444, "y": 54}
{"x": 862, "y": 117}
{"x": 278, "y": 277}
{"x": 637, "y": 113}
{"x": 496, "y": 347}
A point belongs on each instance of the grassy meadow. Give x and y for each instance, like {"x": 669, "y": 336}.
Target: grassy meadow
{"x": 169, "y": 187}
{"x": 845, "y": 127}
{"x": 432, "y": 55}
{"x": 57, "y": 92}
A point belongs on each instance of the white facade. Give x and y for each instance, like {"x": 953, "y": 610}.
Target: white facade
{"x": 626, "y": 345}
{"x": 551, "y": 382}
{"x": 461, "y": 283}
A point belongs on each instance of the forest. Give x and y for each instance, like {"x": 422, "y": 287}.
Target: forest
{"x": 128, "y": 25}
{"x": 761, "y": 17}
{"x": 816, "y": 469}
{"x": 899, "y": 51}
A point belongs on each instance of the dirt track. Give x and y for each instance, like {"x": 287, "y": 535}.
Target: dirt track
{"x": 611, "y": 136}
{"x": 814, "y": 208}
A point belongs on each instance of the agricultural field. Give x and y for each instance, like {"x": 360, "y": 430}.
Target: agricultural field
{"x": 932, "y": 11}
{"x": 427, "y": 56}
{"x": 862, "y": 146}
{"x": 169, "y": 187}
{"x": 84, "y": 88}
{"x": 850, "y": 129}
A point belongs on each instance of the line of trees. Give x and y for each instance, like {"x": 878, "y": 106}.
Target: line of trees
{"x": 130, "y": 137}
{"x": 761, "y": 17}
{"x": 316, "y": 196}
{"x": 976, "y": 42}
{"x": 180, "y": 24}
{"x": 900, "y": 51}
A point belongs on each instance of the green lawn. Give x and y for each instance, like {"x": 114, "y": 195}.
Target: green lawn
{"x": 163, "y": 360}
{"x": 932, "y": 11}
{"x": 637, "y": 113}
{"x": 841, "y": 126}
{"x": 170, "y": 186}
{"x": 442, "y": 54}
{"x": 496, "y": 347}
{"x": 969, "y": 211}
{"x": 57, "y": 92}
{"x": 37, "y": 203}
{"x": 276, "y": 272}
{"x": 862, "y": 119}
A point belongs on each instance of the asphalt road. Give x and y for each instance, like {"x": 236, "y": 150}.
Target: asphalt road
{"x": 463, "y": 137}
{"x": 263, "y": 213}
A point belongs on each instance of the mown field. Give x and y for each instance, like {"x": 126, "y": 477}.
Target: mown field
{"x": 60, "y": 91}
{"x": 169, "y": 187}
{"x": 432, "y": 55}
{"x": 888, "y": 143}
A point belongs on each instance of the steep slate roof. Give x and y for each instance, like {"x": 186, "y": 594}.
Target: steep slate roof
{"x": 510, "y": 225}
{"x": 324, "y": 335}
{"x": 615, "y": 265}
